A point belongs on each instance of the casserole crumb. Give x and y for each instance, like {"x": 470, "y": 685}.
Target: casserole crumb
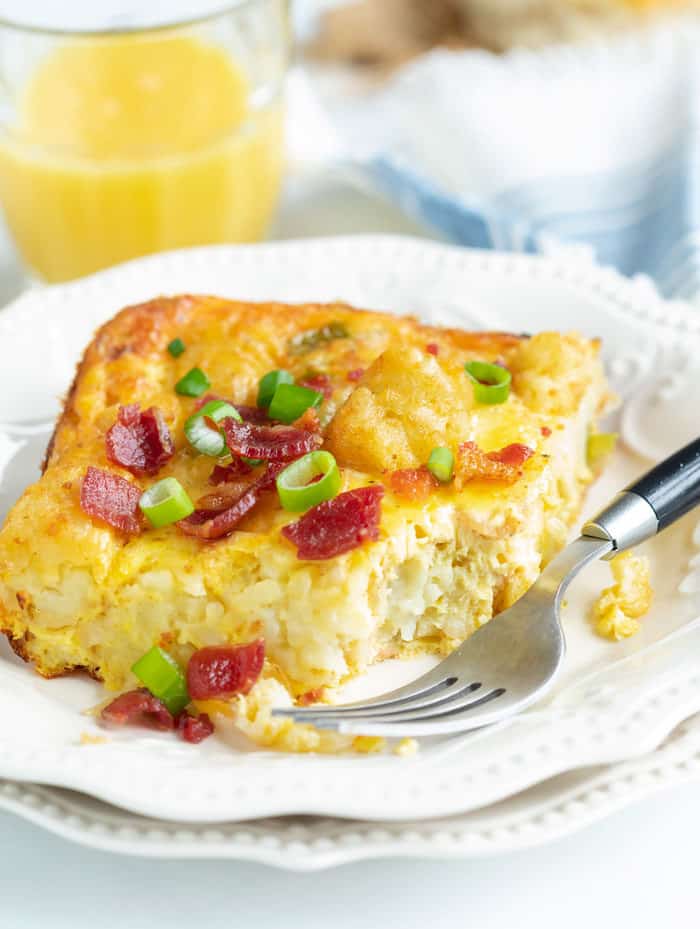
{"x": 617, "y": 611}
{"x": 406, "y": 748}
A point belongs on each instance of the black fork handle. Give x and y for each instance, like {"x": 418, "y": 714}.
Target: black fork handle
{"x": 655, "y": 501}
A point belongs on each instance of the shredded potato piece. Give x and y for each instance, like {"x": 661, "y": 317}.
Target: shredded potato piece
{"x": 617, "y": 611}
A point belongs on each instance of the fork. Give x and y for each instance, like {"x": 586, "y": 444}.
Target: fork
{"x": 511, "y": 662}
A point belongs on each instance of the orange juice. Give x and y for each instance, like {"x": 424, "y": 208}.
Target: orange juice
{"x": 130, "y": 145}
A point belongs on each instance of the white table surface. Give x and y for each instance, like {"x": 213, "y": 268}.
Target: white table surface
{"x": 637, "y": 869}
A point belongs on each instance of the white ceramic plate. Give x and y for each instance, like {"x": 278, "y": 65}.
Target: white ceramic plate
{"x": 541, "y": 814}
{"x": 614, "y": 701}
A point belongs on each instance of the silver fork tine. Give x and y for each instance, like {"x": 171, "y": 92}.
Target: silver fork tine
{"x": 435, "y": 698}
{"x": 435, "y": 681}
{"x": 466, "y": 699}
{"x": 487, "y": 708}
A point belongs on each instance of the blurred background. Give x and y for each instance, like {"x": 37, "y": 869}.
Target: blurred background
{"x": 531, "y": 125}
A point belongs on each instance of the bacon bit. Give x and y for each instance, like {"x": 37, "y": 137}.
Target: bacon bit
{"x": 413, "y": 483}
{"x": 208, "y": 398}
{"x": 193, "y": 729}
{"x": 338, "y": 525}
{"x": 320, "y": 383}
{"x": 224, "y": 670}
{"x": 432, "y": 348}
{"x": 308, "y": 420}
{"x": 271, "y": 443}
{"x": 139, "y": 708}
{"x": 224, "y": 474}
{"x": 112, "y": 499}
{"x": 139, "y": 442}
{"x": 224, "y": 497}
{"x": 311, "y": 696}
{"x": 503, "y": 465}
{"x": 214, "y": 523}
{"x": 267, "y": 479}
{"x": 514, "y": 455}
{"x": 546, "y": 431}
{"x": 356, "y": 375}
{"x": 253, "y": 414}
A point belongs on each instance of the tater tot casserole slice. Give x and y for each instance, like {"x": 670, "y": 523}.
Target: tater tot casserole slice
{"x": 265, "y": 499}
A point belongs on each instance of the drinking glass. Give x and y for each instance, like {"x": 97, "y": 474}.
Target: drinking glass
{"x": 123, "y": 134}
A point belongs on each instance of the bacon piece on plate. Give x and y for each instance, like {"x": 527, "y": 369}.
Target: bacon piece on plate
{"x": 214, "y": 523}
{"x": 413, "y": 483}
{"x": 223, "y": 497}
{"x": 224, "y": 474}
{"x": 208, "y": 398}
{"x": 338, "y": 525}
{"x": 253, "y": 414}
{"x": 112, "y": 499}
{"x": 513, "y": 456}
{"x": 139, "y": 708}
{"x": 267, "y": 479}
{"x": 224, "y": 670}
{"x": 193, "y": 729}
{"x": 216, "y": 519}
{"x": 311, "y": 696}
{"x": 139, "y": 441}
{"x": 270, "y": 443}
{"x": 432, "y": 348}
{"x": 321, "y": 383}
{"x": 503, "y": 465}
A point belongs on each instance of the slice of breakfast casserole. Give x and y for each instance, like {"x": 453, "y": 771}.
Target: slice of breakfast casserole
{"x": 253, "y": 502}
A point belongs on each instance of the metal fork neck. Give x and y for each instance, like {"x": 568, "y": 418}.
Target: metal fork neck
{"x": 627, "y": 521}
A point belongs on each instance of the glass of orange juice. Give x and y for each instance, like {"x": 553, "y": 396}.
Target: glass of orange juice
{"x": 130, "y": 135}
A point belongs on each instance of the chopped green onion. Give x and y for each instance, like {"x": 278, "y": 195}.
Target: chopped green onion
{"x": 295, "y": 491}
{"x": 599, "y": 446}
{"x": 269, "y": 384}
{"x": 253, "y": 462}
{"x": 290, "y": 401}
{"x": 166, "y": 502}
{"x": 491, "y": 382}
{"x": 441, "y": 463}
{"x": 176, "y": 347}
{"x": 200, "y": 434}
{"x": 164, "y": 677}
{"x": 306, "y": 341}
{"x": 193, "y": 384}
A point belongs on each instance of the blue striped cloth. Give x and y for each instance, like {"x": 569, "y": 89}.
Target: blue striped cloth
{"x": 595, "y": 145}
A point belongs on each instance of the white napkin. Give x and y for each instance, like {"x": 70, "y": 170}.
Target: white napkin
{"x": 595, "y": 144}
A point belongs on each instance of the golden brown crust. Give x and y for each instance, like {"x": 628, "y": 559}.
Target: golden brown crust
{"x": 20, "y": 646}
{"x": 132, "y": 330}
